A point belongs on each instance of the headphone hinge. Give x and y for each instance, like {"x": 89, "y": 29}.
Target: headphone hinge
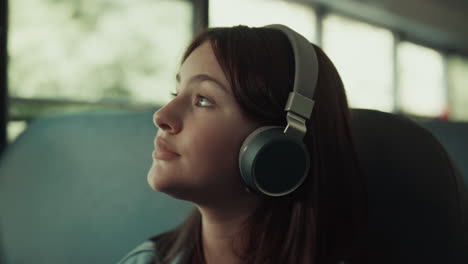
{"x": 296, "y": 126}
{"x": 299, "y": 108}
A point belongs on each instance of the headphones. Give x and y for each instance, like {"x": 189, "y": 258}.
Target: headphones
{"x": 274, "y": 160}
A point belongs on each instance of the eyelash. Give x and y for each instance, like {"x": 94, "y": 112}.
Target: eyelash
{"x": 198, "y": 96}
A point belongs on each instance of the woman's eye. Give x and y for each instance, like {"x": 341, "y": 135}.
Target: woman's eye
{"x": 203, "y": 101}
{"x": 200, "y": 100}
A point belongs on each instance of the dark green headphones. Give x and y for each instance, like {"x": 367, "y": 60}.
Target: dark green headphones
{"x": 274, "y": 160}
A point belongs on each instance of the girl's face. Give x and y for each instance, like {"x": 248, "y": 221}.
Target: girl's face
{"x": 206, "y": 127}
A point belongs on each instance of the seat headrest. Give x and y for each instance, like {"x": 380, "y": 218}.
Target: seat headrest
{"x": 417, "y": 199}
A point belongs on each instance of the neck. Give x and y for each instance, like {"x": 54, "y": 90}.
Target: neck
{"x": 222, "y": 228}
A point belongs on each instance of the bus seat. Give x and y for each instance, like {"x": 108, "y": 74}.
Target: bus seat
{"x": 417, "y": 199}
{"x": 454, "y": 137}
{"x": 73, "y": 189}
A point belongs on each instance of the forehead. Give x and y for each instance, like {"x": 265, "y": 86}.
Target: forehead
{"x": 202, "y": 61}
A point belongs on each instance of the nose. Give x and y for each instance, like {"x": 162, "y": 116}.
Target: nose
{"x": 167, "y": 120}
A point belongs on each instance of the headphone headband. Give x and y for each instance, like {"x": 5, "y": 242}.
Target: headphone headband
{"x": 300, "y": 103}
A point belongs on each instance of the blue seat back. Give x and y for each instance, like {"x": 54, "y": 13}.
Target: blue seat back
{"x": 73, "y": 189}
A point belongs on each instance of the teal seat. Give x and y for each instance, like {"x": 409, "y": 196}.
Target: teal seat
{"x": 73, "y": 189}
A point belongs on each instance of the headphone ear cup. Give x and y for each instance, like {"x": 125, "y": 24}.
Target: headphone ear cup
{"x": 272, "y": 162}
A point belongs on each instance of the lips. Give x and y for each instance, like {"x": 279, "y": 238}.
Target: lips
{"x": 164, "y": 151}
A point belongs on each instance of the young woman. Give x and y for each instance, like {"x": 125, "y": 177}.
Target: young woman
{"x": 231, "y": 82}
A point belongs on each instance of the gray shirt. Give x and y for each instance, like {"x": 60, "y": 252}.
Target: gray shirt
{"x": 143, "y": 254}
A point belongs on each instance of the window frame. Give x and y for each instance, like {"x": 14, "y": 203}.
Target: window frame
{"x": 3, "y": 73}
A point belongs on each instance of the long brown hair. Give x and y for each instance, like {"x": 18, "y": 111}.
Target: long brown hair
{"x": 324, "y": 220}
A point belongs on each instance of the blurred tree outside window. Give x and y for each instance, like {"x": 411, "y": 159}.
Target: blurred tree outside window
{"x": 362, "y": 54}
{"x": 97, "y": 51}
{"x": 258, "y": 13}
{"x": 458, "y": 87}
{"x": 422, "y": 86}
{"x": 67, "y": 56}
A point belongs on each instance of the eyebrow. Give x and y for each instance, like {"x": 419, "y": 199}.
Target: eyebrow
{"x": 204, "y": 77}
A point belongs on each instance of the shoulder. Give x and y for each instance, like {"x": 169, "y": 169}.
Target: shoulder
{"x": 142, "y": 254}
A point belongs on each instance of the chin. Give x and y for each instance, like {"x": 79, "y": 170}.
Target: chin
{"x": 158, "y": 182}
{"x": 150, "y": 178}
{"x": 158, "y": 178}
{"x": 168, "y": 185}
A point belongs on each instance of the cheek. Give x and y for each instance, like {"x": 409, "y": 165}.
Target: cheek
{"x": 213, "y": 155}
{"x": 214, "y": 140}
